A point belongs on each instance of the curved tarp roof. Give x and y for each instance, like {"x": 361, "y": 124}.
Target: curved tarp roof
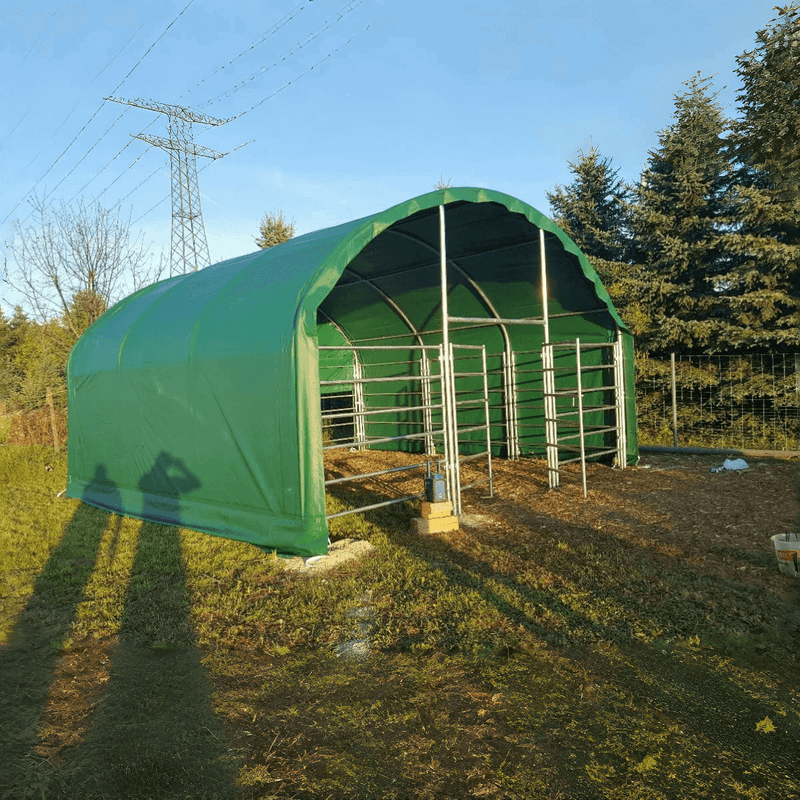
{"x": 196, "y": 400}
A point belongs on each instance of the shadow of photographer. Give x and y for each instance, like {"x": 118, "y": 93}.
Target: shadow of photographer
{"x": 28, "y": 661}
{"x": 154, "y": 733}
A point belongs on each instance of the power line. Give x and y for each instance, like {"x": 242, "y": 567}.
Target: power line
{"x": 274, "y": 29}
{"x": 124, "y": 47}
{"x": 136, "y": 161}
{"x": 108, "y": 164}
{"x": 295, "y": 48}
{"x": 285, "y": 20}
{"x": 241, "y": 114}
{"x": 86, "y": 154}
{"x": 303, "y": 74}
{"x": 64, "y": 151}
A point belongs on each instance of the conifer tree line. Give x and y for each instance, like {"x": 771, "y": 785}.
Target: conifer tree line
{"x": 702, "y": 255}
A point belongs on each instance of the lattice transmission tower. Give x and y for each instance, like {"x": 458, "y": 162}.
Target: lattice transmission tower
{"x": 189, "y": 248}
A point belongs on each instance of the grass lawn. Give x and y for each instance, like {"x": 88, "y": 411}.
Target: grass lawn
{"x": 637, "y": 645}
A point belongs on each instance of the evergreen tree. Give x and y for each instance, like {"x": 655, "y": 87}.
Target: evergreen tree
{"x": 12, "y": 333}
{"x": 763, "y": 281}
{"x": 41, "y": 361}
{"x": 274, "y": 229}
{"x": 594, "y": 211}
{"x": 680, "y": 226}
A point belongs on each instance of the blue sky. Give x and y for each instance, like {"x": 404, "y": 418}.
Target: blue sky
{"x": 497, "y": 94}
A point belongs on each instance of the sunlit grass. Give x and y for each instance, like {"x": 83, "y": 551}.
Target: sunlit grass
{"x": 580, "y": 665}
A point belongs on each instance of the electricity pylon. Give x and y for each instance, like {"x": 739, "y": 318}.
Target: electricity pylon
{"x": 189, "y": 248}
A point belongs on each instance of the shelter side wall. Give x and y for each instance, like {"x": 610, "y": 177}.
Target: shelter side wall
{"x": 211, "y": 445}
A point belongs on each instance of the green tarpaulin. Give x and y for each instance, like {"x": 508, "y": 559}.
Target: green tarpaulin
{"x": 196, "y": 401}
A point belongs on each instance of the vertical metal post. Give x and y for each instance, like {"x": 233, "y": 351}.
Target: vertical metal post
{"x": 427, "y": 411}
{"x": 674, "y": 403}
{"x": 508, "y": 392}
{"x": 49, "y": 399}
{"x": 359, "y": 406}
{"x": 620, "y": 401}
{"x": 580, "y": 412}
{"x": 488, "y": 422}
{"x": 797, "y": 379}
{"x": 447, "y": 425}
{"x": 443, "y": 278}
{"x": 550, "y": 409}
{"x": 543, "y": 268}
{"x": 448, "y": 392}
{"x": 456, "y": 497}
{"x": 548, "y": 376}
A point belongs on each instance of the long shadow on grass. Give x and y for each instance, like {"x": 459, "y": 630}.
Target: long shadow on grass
{"x": 154, "y": 734}
{"x": 27, "y": 662}
{"x": 703, "y": 701}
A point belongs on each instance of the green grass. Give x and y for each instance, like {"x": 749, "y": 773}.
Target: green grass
{"x": 141, "y": 661}
{"x": 5, "y": 428}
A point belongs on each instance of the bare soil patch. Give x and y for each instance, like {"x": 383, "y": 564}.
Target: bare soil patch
{"x": 670, "y": 504}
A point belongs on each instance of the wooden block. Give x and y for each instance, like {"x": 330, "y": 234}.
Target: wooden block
{"x": 438, "y": 525}
{"x": 443, "y": 508}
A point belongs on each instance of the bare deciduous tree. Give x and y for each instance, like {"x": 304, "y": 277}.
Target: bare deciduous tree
{"x": 74, "y": 261}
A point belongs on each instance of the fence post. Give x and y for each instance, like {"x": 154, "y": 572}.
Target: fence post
{"x": 797, "y": 383}
{"x": 674, "y": 403}
{"x": 52, "y": 418}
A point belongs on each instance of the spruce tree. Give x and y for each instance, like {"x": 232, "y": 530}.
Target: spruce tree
{"x": 274, "y": 229}
{"x": 594, "y": 211}
{"x": 763, "y": 281}
{"x": 680, "y": 227}
{"x": 591, "y": 210}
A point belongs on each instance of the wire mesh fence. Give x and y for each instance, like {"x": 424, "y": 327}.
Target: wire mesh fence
{"x": 719, "y": 401}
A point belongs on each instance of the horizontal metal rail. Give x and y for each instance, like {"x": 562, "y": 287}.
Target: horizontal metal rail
{"x": 584, "y": 345}
{"x": 579, "y": 313}
{"x": 385, "y": 439}
{"x": 499, "y": 320}
{"x": 375, "y": 474}
{"x": 481, "y": 482}
{"x": 574, "y": 392}
{"x": 380, "y": 346}
{"x": 373, "y": 412}
{"x": 578, "y": 458}
{"x": 561, "y": 414}
{"x": 586, "y": 433}
{"x": 394, "y": 378}
{"x": 361, "y": 509}
{"x": 472, "y": 457}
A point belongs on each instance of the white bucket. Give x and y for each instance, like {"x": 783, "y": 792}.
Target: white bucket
{"x": 787, "y": 551}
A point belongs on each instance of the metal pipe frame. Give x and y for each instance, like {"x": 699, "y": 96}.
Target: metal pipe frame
{"x": 427, "y": 401}
{"x": 375, "y": 505}
{"x": 453, "y": 435}
{"x": 384, "y": 439}
{"x": 551, "y": 415}
{"x": 580, "y": 413}
{"x": 446, "y": 370}
{"x": 622, "y": 422}
{"x": 358, "y": 401}
{"x": 387, "y": 410}
{"x": 361, "y": 475}
{"x": 381, "y": 346}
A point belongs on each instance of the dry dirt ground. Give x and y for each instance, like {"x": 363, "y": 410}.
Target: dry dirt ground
{"x": 720, "y": 523}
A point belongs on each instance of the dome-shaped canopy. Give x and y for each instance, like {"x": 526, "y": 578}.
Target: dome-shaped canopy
{"x": 196, "y": 400}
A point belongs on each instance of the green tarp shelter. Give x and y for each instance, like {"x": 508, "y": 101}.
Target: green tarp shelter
{"x": 196, "y": 401}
